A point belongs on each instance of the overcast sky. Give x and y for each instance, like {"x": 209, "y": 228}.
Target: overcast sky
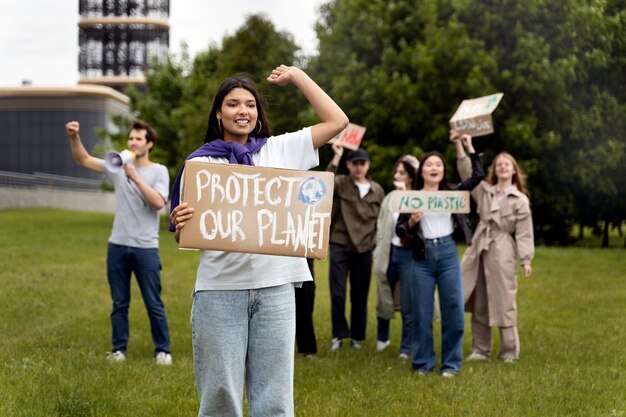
{"x": 39, "y": 38}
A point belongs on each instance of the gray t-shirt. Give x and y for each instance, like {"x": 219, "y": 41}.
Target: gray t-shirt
{"x": 136, "y": 222}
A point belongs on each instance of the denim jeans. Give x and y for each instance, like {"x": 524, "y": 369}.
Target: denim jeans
{"x": 146, "y": 264}
{"x": 441, "y": 268}
{"x": 244, "y": 334}
{"x": 358, "y": 266}
{"x": 399, "y": 270}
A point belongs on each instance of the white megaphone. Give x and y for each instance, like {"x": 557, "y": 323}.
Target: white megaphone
{"x": 115, "y": 160}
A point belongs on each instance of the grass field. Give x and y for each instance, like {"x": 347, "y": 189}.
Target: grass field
{"x": 55, "y": 332}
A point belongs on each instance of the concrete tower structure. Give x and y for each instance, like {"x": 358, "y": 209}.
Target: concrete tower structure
{"x": 118, "y": 40}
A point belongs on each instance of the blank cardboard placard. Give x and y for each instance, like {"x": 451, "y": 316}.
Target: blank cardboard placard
{"x": 473, "y": 117}
{"x": 239, "y": 208}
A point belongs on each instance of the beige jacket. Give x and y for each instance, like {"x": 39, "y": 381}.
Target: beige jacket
{"x": 503, "y": 235}
{"x": 385, "y": 227}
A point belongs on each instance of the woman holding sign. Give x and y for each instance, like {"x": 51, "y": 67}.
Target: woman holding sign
{"x": 436, "y": 264}
{"x": 243, "y": 313}
{"x": 489, "y": 266}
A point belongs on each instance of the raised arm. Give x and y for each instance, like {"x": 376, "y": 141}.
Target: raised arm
{"x": 333, "y": 119}
{"x": 478, "y": 171}
{"x": 80, "y": 154}
{"x": 463, "y": 162}
{"x": 334, "y": 163}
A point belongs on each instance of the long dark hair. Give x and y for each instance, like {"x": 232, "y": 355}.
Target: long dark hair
{"x": 418, "y": 184}
{"x": 214, "y": 129}
{"x": 410, "y": 165}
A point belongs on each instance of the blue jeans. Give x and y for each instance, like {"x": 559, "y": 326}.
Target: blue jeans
{"x": 399, "y": 270}
{"x": 146, "y": 264}
{"x": 441, "y": 268}
{"x": 244, "y": 333}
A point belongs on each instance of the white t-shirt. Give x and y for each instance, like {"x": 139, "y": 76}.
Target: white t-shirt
{"x": 241, "y": 271}
{"x": 364, "y": 188}
{"x": 435, "y": 225}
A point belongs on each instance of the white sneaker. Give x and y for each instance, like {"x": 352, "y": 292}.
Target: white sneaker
{"x": 117, "y": 356}
{"x": 448, "y": 374}
{"x": 477, "y": 357}
{"x": 355, "y": 344}
{"x": 403, "y": 356}
{"x": 336, "y": 344}
{"x": 163, "y": 358}
{"x": 509, "y": 360}
{"x": 380, "y": 346}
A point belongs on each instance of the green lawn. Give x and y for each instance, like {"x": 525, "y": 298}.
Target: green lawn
{"x": 55, "y": 331}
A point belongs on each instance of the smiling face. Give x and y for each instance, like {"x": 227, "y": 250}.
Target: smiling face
{"x": 504, "y": 168}
{"x": 238, "y": 115}
{"x": 433, "y": 170}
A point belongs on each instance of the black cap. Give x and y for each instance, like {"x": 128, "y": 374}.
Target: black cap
{"x": 358, "y": 155}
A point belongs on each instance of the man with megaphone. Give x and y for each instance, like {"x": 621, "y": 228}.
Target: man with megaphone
{"x": 141, "y": 190}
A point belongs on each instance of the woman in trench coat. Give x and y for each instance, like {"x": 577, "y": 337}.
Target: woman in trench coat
{"x": 489, "y": 266}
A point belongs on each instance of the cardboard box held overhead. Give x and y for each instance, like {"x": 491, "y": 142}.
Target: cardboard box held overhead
{"x": 240, "y": 208}
{"x": 473, "y": 116}
{"x": 351, "y": 137}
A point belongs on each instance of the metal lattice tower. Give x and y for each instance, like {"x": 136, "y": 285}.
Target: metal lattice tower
{"x": 119, "y": 39}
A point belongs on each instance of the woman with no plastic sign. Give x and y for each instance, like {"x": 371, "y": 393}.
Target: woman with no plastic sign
{"x": 436, "y": 264}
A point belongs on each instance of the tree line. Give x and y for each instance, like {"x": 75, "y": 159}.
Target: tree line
{"x": 401, "y": 68}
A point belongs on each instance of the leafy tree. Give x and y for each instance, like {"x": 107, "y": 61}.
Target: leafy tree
{"x": 401, "y": 67}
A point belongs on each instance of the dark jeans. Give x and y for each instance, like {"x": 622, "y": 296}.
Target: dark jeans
{"x": 358, "y": 266}
{"x": 305, "y": 302}
{"x": 145, "y": 263}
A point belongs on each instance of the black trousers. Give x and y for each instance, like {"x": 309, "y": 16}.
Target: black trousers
{"x": 345, "y": 263}
{"x": 305, "y": 301}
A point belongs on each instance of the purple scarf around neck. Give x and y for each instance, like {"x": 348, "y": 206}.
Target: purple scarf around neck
{"x": 235, "y": 152}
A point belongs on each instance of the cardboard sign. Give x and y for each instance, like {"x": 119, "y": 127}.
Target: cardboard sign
{"x": 351, "y": 137}
{"x": 430, "y": 201}
{"x": 239, "y": 208}
{"x": 474, "y": 116}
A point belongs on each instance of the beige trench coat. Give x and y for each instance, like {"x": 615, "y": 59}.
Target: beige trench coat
{"x": 503, "y": 235}
{"x": 385, "y": 227}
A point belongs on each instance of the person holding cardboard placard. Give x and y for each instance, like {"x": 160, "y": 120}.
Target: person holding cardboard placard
{"x": 356, "y": 203}
{"x": 243, "y": 312}
{"x": 141, "y": 190}
{"x": 436, "y": 264}
{"x": 392, "y": 264}
{"x": 503, "y": 235}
